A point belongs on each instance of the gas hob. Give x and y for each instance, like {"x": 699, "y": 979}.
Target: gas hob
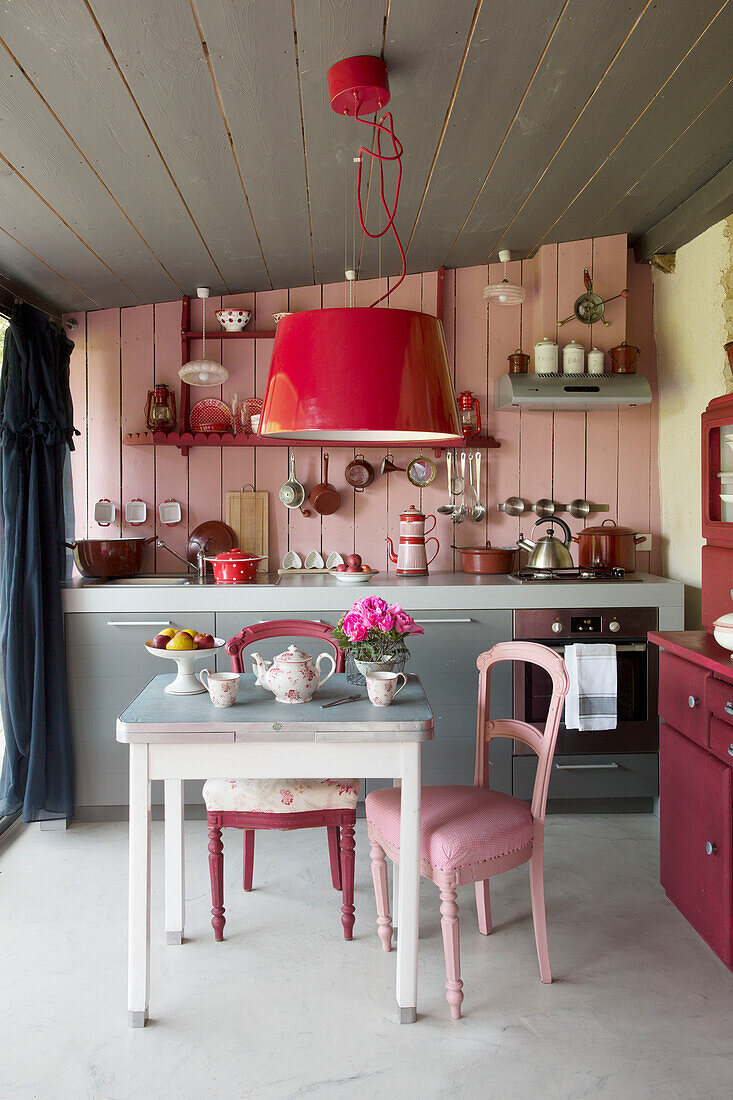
{"x": 598, "y": 574}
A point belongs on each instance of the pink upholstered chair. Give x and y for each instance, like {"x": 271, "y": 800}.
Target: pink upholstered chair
{"x": 469, "y": 834}
{"x": 251, "y": 804}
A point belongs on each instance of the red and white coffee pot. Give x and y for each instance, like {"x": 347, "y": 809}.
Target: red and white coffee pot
{"x": 411, "y": 558}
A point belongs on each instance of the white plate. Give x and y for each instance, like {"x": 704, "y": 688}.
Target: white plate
{"x": 292, "y": 560}
{"x": 314, "y": 560}
{"x": 354, "y": 578}
{"x": 335, "y": 559}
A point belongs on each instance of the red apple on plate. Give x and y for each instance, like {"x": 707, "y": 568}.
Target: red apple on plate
{"x": 353, "y": 569}
{"x": 204, "y": 641}
{"x": 354, "y": 560}
{"x": 160, "y": 641}
{"x": 341, "y": 567}
{"x": 366, "y": 568}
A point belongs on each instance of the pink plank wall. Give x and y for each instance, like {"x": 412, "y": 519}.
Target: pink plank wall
{"x": 610, "y": 457}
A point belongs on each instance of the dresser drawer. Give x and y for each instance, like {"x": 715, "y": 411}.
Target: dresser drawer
{"x": 721, "y": 739}
{"x": 617, "y": 775}
{"x": 682, "y": 696}
{"x": 719, "y": 700}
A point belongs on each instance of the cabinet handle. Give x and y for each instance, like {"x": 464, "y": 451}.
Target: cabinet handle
{"x": 729, "y": 709}
{"x": 711, "y": 847}
{"x": 584, "y": 767}
{"x": 139, "y": 622}
{"x": 435, "y": 622}
{"x": 693, "y": 701}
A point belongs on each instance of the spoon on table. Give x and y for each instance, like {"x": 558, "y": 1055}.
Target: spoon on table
{"x": 448, "y": 509}
{"x": 478, "y": 511}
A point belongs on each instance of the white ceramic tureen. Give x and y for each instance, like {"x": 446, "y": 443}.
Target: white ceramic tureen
{"x": 292, "y": 676}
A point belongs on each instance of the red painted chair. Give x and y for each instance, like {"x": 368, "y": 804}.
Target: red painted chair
{"x": 469, "y": 834}
{"x": 251, "y": 804}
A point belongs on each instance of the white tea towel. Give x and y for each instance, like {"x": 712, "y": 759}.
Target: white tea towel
{"x": 591, "y": 700}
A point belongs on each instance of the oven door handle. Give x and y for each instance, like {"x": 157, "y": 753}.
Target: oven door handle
{"x": 625, "y": 647}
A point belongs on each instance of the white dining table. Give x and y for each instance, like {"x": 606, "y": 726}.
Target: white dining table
{"x": 177, "y": 737}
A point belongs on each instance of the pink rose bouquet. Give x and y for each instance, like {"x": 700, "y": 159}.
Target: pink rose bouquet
{"x": 374, "y": 630}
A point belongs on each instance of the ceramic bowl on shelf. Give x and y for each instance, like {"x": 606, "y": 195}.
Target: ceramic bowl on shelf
{"x": 353, "y": 578}
{"x": 234, "y": 320}
{"x": 723, "y": 631}
{"x": 277, "y": 317}
{"x": 185, "y": 682}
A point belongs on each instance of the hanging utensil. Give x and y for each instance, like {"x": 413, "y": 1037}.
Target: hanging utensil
{"x": 460, "y": 512}
{"x": 512, "y": 506}
{"x": 478, "y": 511}
{"x": 292, "y": 493}
{"x": 421, "y": 471}
{"x": 589, "y": 308}
{"x": 448, "y": 509}
{"x": 458, "y": 482}
{"x": 325, "y": 497}
{"x": 359, "y": 473}
{"x": 388, "y": 466}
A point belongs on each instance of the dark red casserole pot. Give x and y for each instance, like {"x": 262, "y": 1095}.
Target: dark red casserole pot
{"x": 109, "y": 557}
{"x": 608, "y": 545}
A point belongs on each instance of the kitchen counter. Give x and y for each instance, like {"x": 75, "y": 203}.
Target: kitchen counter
{"x": 439, "y": 591}
{"x": 698, "y": 647}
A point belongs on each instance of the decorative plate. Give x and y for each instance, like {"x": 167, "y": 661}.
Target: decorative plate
{"x": 210, "y": 415}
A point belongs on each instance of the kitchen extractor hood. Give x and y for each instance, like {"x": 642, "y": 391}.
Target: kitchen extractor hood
{"x": 578, "y": 392}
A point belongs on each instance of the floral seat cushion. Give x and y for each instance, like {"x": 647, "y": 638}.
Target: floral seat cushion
{"x": 280, "y": 796}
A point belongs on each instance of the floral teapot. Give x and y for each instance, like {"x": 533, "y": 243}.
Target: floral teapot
{"x": 292, "y": 676}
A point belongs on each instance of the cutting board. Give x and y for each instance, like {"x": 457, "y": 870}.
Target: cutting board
{"x": 247, "y": 514}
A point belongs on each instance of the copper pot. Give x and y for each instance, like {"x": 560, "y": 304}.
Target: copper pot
{"x": 608, "y": 545}
{"x": 359, "y": 473}
{"x": 109, "y": 557}
{"x": 623, "y": 358}
{"x": 487, "y": 559}
{"x": 325, "y": 497}
{"x": 518, "y": 362}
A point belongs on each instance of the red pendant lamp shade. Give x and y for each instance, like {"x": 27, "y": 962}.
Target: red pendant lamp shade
{"x": 360, "y": 374}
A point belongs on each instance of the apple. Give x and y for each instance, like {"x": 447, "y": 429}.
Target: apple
{"x": 354, "y": 559}
{"x": 341, "y": 567}
{"x": 204, "y": 641}
{"x": 160, "y": 641}
{"x": 353, "y": 569}
{"x": 366, "y": 568}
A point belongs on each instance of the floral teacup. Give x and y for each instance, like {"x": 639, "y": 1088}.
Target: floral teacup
{"x": 382, "y": 687}
{"x": 221, "y": 686}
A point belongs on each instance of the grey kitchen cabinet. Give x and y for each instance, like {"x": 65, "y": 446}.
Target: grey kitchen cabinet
{"x": 106, "y": 666}
{"x": 615, "y": 781}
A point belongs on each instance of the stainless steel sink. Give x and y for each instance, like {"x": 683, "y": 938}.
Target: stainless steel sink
{"x": 155, "y": 580}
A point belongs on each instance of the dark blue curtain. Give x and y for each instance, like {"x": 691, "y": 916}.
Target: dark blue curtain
{"x": 36, "y": 430}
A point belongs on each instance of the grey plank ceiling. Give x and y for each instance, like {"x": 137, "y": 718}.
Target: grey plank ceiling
{"x": 149, "y": 147}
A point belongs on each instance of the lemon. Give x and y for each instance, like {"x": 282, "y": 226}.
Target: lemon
{"x": 181, "y": 641}
{"x": 170, "y": 631}
{"x": 188, "y": 630}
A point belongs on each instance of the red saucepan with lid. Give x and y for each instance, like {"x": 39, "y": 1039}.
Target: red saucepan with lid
{"x": 235, "y": 567}
{"x": 608, "y": 545}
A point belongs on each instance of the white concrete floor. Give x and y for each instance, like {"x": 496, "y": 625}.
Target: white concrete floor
{"x": 640, "y": 1007}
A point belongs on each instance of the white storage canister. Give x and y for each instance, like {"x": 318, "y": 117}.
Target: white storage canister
{"x": 546, "y": 356}
{"x": 573, "y": 358}
{"x": 595, "y": 361}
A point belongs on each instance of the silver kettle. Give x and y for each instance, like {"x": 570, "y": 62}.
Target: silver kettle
{"x": 548, "y": 552}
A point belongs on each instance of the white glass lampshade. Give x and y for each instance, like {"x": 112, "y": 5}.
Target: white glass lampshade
{"x": 203, "y": 371}
{"x": 505, "y": 293}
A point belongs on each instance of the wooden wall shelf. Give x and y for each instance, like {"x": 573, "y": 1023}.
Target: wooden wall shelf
{"x": 214, "y": 439}
{"x": 222, "y": 334}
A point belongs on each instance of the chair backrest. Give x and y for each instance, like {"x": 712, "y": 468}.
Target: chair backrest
{"x": 543, "y": 743}
{"x": 283, "y": 628}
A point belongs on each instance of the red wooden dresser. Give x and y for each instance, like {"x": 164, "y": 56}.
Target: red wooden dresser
{"x": 696, "y": 782}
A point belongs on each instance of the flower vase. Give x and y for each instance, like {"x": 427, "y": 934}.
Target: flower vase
{"x": 356, "y": 671}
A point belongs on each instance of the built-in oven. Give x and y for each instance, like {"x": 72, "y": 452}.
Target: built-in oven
{"x": 637, "y": 675}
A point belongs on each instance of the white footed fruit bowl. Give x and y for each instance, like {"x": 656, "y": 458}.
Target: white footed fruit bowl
{"x": 185, "y": 682}
{"x": 723, "y": 631}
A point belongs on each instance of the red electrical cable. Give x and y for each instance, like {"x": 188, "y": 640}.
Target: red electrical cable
{"x": 383, "y": 158}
